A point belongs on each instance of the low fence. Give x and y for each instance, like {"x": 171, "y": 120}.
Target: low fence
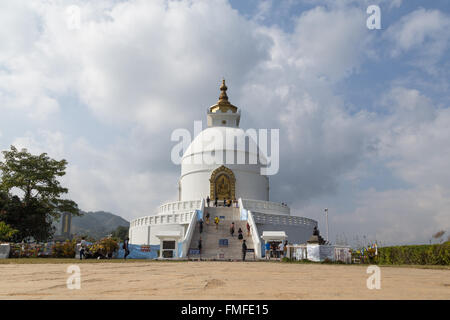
{"x": 178, "y": 206}
{"x": 170, "y": 218}
{"x": 69, "y": 249}
{"x": 263, "y": 218}
{"x": 315, "y": 252}
{"x": 42, "y": 250}
{"x": 266, "y": 207}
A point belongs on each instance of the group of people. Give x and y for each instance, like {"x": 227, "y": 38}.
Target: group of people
{"x": 232, "y": 230}
{"x": 240, "y": 232}
{"x": 83, "y": 249}
{"x": 276, "y": 250}
{"x": 207, "y": 220}
{"x": 226, "y": 202}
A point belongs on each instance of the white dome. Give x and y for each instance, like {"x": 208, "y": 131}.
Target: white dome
{"x": 215, "y": 139}
{"x": 223, "y": 146}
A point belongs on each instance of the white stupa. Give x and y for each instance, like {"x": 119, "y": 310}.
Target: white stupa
{"x": 222, "y": 162}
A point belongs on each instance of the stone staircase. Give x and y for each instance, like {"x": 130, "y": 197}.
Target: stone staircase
{"x": 210, "y": 236}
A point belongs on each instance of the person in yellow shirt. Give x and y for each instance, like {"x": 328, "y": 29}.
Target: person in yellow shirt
{"x": 216, "y": 221}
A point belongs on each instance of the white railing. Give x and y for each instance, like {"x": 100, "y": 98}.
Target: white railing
{"x": 186, "y": 243}
{"x": 255, "y": 235}
{"x": 242, "y": 210}
{"x": 171, "y": 218}
{"x": 172, "y": 207}
{"x": 282, "y": 220}
{"x": 266, "y": 207}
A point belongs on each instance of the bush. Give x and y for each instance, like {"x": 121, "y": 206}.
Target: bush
{"x": 6, "y": 231}
{"x": 435, "y": 254}
{"x": 64, "y": 249}
{"x": 102, "y": 248}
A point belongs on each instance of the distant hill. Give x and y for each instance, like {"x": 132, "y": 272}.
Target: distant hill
{"x": 97, "y": 224}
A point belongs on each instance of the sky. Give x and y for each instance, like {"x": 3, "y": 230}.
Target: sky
{"x": 363, "y": 114}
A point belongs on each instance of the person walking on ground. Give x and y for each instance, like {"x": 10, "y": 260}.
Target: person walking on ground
{"x": 200, "y": 246}
{"x": 281, "y": 249}
{"x": 201, "y": 225}
{"x": 207, "y": 218}
{"x": 216, "y": 221}
{"x": 216, "y": 201}
{"x": 207, "y": 200}
{"x": 240, "y": 236}
{"x": 126, "y": 248}
{"x": 78, "y": 248}
{"x": 82, "y": 248}
{"x": 267, "y": 250}
{"x": 244, "y": 250}
{"x": 224, "y": 202}
{"x": 285, "y": 248}
{"x": 232, "y": 229}
{"x": 248, "y": 230}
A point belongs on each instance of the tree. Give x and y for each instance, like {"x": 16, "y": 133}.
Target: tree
{"x": 39, "y": 202}
{"x": 438, "y": 234}
{"x": 6, "y": 232}
{"x": 120, "y": 233}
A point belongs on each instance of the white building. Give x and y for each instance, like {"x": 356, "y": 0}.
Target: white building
{"x": 223, "y": 161}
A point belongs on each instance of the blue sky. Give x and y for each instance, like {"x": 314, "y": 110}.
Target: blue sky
{"x": 363, "y": 114}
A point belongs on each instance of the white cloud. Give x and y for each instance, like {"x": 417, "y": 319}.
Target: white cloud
{"x": 399, "y": 216}
{"x": 106, "y": 180}
{"x": 425, "y": 32}
{"x": 416, "y": 141}
{"x": 43, "y": 141}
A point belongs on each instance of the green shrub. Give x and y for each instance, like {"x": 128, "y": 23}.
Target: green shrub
{"x": 64, "y": 249}
{"x": 434, "y": 254}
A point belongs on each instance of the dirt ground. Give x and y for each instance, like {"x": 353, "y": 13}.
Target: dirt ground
{"x": 219, "y": 280}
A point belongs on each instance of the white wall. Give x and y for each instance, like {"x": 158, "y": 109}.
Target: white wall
{"x": 140, "y": 234}
{"x": 249, "y": 183}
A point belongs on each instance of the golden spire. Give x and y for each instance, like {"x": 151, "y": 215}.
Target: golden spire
{"x": 223, "y": 95}
{"x": 223, "y": 104}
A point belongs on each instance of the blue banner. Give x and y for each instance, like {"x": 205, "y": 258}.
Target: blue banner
{"x": 244, "y": 214}
{"x": 199, "y": 214}
{"x": 139, "y": 251}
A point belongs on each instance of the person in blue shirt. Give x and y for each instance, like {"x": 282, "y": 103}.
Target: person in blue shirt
{"x": 267, "y": 250}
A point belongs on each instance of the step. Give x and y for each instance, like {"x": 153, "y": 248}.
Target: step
{"x": 211, "y": 236}
{"x": 227, "y": 213}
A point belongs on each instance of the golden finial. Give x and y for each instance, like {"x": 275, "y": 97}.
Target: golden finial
{"x": 223, "y": 105}
{"x": 223, "y": 95}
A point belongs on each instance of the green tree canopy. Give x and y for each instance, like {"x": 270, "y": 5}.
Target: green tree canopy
{"x": 37, "y": 177}
{"x": 30, "y": 194}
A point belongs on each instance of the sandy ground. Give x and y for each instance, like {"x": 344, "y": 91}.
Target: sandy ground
{"x": 219, "y": 280}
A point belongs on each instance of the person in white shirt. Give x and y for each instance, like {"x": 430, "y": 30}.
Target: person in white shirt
{"x": 82, "y": 248}
{"x": 281, "y": 248}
